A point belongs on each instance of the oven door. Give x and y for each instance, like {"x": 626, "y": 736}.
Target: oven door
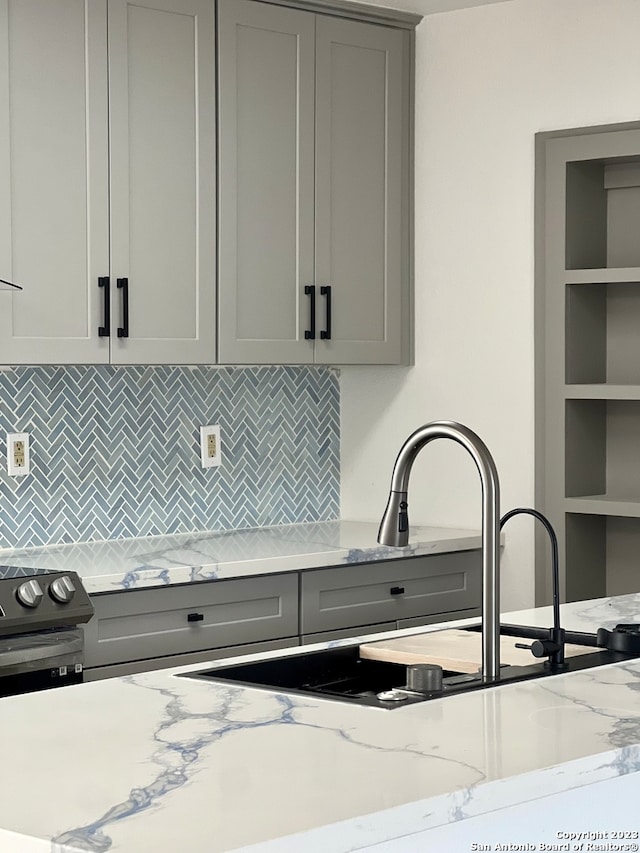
{"x": 39, "y": 661}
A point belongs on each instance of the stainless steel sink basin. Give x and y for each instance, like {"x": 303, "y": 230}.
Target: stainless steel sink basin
{"x": 342, "y": 675}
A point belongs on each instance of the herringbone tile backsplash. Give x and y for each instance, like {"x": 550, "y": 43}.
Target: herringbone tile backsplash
{"x": 115, "y": 450}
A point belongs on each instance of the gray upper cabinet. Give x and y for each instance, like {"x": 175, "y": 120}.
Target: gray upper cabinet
{"x": 54, "y": 206}
{"x": 266, "y": 184}
{"x": 314, "y": 163}
{"x": 162, "y": 172}
{"x": 359, "y": 145}
{"x": 107, "y": 163}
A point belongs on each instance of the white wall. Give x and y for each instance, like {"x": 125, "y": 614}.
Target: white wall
{"x": 487, "y": 79}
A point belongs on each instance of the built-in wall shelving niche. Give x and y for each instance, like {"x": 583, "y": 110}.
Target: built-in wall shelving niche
{"x": 602, "y": 208}
{"x": 588, "y": 340}
{"x": 593, "y": 542}
{"x": 602, "y": 449}
{"x": 602, "y": 340}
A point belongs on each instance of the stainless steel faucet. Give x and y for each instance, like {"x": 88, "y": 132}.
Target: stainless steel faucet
{"x": 394, "y": 527}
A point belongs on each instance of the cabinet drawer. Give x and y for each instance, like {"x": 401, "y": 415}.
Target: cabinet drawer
{"x": 383, "y": 592}
{"x": 142, "y": 624}
{"x": 345, "y": 633}
{"x": 440, "y": 617}
{"x": 117, "y": 670}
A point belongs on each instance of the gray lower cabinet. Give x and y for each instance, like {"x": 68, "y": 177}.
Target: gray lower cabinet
{"x": 160, "y": 623}
{"x": 345, "y": 633}
{"x": 131, "y": 667}
{"x": 390, "y": 592}
{"x": 417, "y": 621}
{"x": 380, "y": 627}
{"x": 138, "y": 630}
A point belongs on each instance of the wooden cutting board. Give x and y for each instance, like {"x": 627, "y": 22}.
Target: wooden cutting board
{"x": 454, "y": 649}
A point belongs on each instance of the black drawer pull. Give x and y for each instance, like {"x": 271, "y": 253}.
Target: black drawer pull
{"x": 310, "y": 290}
{"x": 325, "y": 334}
{"x": 123, "y": 285}
{"x": 397, "y": 590}
{"x": 195, "y": 617}
{"x": 105, "y": 331}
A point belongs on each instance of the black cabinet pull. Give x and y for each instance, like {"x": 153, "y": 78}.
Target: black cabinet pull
{"x": 397, "y": 590}
{"x": 123, "y": 285}
{"x": 105, "y": 331}
{"x": 195, "y": 617}
{"x": 325, "y": 334}
{"x": 310, "y": 290}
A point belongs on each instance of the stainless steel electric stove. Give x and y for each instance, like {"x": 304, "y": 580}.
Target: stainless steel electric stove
{"x": 41, "y": 643}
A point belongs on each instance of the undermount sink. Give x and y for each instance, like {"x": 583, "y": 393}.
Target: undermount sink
{"x": 343, "y": 675}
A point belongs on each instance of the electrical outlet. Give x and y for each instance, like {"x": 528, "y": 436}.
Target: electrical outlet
{"x": 18, "y": 462}
{"x": 210, "y": 447}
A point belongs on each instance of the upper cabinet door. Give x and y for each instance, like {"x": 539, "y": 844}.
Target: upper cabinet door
{"x": 266, "y": 120}
{"x": 53, "y": 180}
{"x": 361, "y": 138}
{"x": 162, "y": 159}
{"x": 313, "y": 187}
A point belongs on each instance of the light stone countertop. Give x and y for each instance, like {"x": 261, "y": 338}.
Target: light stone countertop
{"x": 186, "y": 558}
{"x": 156, "y": 763}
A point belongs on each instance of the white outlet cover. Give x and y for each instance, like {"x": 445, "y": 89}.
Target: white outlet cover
{"x": 206, "y": 460}
{"x": 13, "y": 469}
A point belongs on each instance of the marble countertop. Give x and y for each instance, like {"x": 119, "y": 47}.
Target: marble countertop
{"x": 187, "y": 558}
{"x": 156, "y": 762}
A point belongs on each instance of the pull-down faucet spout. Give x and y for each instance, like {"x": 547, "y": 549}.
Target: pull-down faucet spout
{"x": 394, "y": 527}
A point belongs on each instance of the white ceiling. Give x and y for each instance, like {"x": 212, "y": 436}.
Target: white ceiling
{"x": 428, "y": 7}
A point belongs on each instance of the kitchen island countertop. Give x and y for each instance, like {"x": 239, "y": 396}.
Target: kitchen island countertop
{"x": 156, "y": 762}
{"x": 189, "y": 558}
